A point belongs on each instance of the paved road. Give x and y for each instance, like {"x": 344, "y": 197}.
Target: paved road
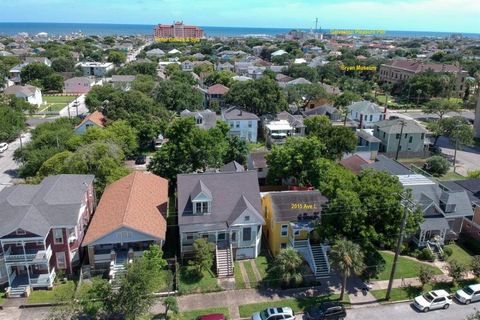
{"x": 8, "y": 166}
{"x": 82, "y": 108}
{"x": 468, "y": 158}
{"x": 405, "y": 311}
{"x": 419, "y": 115}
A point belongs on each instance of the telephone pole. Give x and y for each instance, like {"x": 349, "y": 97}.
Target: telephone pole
{"x": 399, "y": 146}
{"x": 397, "y": 249}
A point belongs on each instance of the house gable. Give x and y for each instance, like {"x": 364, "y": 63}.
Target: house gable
{"x": 248, "y": 217}
{"x": 123, "y": 235}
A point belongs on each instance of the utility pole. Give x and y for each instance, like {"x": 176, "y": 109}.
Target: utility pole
{"x": 397, "y": 249}
{"x": 400, "y": 139}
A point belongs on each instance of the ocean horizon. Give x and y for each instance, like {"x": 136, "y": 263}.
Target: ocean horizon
{"x": 57, "y": 29}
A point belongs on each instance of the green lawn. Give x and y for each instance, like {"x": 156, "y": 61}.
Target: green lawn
{"x": 190, "y": 283}
{"x": 59, "y": 99}
{"x": 1, "y": 298}
{"x": 459, "y": 254}
{"x": 262, "y": 265}
{"x": 451, "y": 176}
{"x": 64, "y": 291}
{"x": 250, "y": 274}
{"x": 239, "y": 282}
{"x": 254, "y": 146}
{"x": 193, "y": 315}
{"x": 406, "y": 268}
{"x": 297, "y": 305}
{"x": 411, "y": 292}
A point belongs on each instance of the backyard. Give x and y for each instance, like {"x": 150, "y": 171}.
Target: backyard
{"x": 63, "y": 291}
{"x": 55, "y": 103}
{"x": 459, "y": 254}
{"x": 406, "y": 267}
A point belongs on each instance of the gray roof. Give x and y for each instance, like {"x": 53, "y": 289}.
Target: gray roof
{"x": 209, "y": 118}
{"x": 325, "y": 109}
{"x": 283, "y": 202}
{"x": 296, "y": 121}
{"x": 56, "y": 201}
{"x": 235, "y": 113}
{"x": 298, "y": 81}
{"x": 366, "y": 136}
{"x": 434, "y": 223}
{"x": 231, "y": 193}
{"x": 365, "y": 107}
{"x": 391, "y": 166}
{"x": 233, "y": 166}
{"x": 471, "y": 186}
{"x": 395, "y": 126}
{"x": 26, "y": 90}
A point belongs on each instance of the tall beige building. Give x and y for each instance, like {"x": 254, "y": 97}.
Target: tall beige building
{"x": 399, "y": 71}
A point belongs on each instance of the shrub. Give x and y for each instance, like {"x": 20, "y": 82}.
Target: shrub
{"x": 475, "y": 266}
{"x": 447, "y": 251}
{"x": 437, "y": 165}
{"x": 425, "y": 275}
{"x": 427, "y": 255}
{"x": 456, "y": 270}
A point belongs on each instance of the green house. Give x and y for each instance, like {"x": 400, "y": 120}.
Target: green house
{"x": 411, "y": 136}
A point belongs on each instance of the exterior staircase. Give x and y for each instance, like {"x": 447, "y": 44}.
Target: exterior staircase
{"x": 224, "y": 261}
{"x": 17, "y": 292}
{"x": 321, "y": 261}
{"x": 117, "y": 271}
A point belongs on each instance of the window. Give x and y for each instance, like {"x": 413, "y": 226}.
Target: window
{"x": 237, "y": 124}
{"x": 249, "y": 124}
{"x": 234, "y": 236}
{"x": 410, "y": 139}
{"x": 221, "y": 236}
{"x": 20, "y": 232}
{"x": 247, "y": 218}
{"x": 247, "y": 234}
{"x": 39, "y": 243}
{"x": 201, "y": 207}
{"x": 125, "y": 234}
{"x": 58, "y": 236}
{"x": 397, "y": 136}
{"x": 189, "y": 236}
{"x": 384, "y": 135}
{"x": 199, "y": 120}
{"x": 365, "y": 118}
{"x": 231, "y": 124}
{"x": 297, "y": 232}
{"x": 423, "y": 136}
{"x": 260, "y": 169}
{"x": 283, "y": 246}
{"x": 61, "y": 261}
{"x": 406, "y": 134}
{"x": 284, "y": 230}
{"x": 371, "y": 117}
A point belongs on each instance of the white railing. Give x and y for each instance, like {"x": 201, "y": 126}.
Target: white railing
{"x": 48, "y": 253}
{"x": 306, "y": 252}
{"x": 324, "y": 251}
{"x": 106, "y": 257}
{"x": 19, "y": 257}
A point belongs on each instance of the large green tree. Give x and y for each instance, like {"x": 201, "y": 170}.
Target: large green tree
{"x": 287, "y": 268}
{"x": 178, "y": 96}
{"x": 442, "y": 106}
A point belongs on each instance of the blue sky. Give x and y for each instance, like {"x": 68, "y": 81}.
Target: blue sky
{"x": 415, "y": 15}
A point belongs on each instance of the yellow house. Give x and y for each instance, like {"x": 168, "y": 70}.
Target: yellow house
{"x": 290, "y": 217}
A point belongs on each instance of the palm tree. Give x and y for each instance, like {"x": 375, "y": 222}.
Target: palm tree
{"x": 288, "y": 267}
{"x": 346, "y": 258}
{"x": 445, "y": 81}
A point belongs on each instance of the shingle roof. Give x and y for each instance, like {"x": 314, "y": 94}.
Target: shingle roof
{"x": 137, "y": 201}
{"x": 471, "y": 186}
{"x": 395, "y": 126}
{"x": 56, "y": 201}
{"x": 232, "y": 166}
{"x": 217, "y": 89}
{"x": 383, "y": 163}
{"x": 27, "y": 90}
{"x": 209, "y": 118}
{"x": 258, "y": 159}
{"x": 354, "y": 163}
{"x": 235, "y": 113}
{"x": 365, "y": 107}
{"x": 296, "y": 121}
{"x": 288, "y": 205}
{"x": 96, "y": 117}
{"x": 417, "y": 66}
{"x": 231, "y": 192}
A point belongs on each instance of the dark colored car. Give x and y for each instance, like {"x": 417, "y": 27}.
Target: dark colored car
{"x": 331, "y": 310}
{"x": 213, "y": 316}
{"x": 141, "y": 160}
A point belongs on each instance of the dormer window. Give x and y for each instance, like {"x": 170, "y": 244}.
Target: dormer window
{"x": 199, "y": 120}
{"x": 202, "y": 207}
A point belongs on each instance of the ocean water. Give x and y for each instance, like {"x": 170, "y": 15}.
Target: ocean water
{"x": 12, "y": 28}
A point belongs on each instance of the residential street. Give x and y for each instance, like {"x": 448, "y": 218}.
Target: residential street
{"x": 8, "y": 166}
{"x": 467, "y": 158}
{"x": 403, "y": 311}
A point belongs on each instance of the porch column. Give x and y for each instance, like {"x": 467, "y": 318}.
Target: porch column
{"x": 91, "y": 255}
{"x": 25, "y": 258}
{"x": 8, "y": 268}
{"x": 422, "y": 237}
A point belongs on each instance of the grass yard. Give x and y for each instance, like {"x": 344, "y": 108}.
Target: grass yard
{"x": 250, "y": 274}
{"x": 239, "y": 282}
{"x": 406, "y": 268}
{"x": 262, "y": 265}
{"x": 451, "y": 176}
{"x": 411, "y": 292}
{"x": 190, "y": 283}
{"x": 255, "y": 146}
{"x": 2, "y": 296}
{"x": 59, "y": 99}
{"x": 193, "y": 315}
{"x": 459, "y": 254}
{"x": 63, "y": 291}
{"x": 297, "y": 305}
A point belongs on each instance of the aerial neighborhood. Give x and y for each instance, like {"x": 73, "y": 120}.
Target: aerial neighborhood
{"x": 139, "y": 172}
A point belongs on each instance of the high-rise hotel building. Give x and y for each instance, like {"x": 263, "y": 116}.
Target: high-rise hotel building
{"x": 177, "y": 30}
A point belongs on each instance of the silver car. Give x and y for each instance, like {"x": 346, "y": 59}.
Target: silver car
{"x": 3, "y": 147}
{"x": 468, "y": 294}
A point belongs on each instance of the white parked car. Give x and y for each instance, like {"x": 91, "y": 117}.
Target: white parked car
{"x": 284, "y": 313}
{"x": 3, "y": 146}
{"x": 468, "y": 294}
{"x": 437, "y": 299}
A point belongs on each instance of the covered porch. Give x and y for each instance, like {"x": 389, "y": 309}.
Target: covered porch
{"x": 105, "y": 254}
{"x": 35, "y": 276}
{"x": 432, "y": 229}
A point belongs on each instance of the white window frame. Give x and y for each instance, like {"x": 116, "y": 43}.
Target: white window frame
{"x": 60, "y": 254}
{"x": 20, "y": 232}
{"x": 284, "y": 229}
{"x": 55, "y": 236}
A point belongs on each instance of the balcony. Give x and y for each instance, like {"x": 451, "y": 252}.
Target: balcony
{"x": 30, "y": 256}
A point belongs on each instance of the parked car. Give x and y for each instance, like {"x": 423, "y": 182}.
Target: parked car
{"x": 3, "y": 147}
{"x": 437, "y": 299}
{"x": 331, "y": 310}
{"x": 284, "y": 313}
{"x": 213, "y": 316}
{"x": 468, "y": 294}
{"x": 141, "y": 160}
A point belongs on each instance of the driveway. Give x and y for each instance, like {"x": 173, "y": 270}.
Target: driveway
{"x": 8, "y": 166}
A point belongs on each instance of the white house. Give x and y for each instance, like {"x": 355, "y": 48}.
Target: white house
{"x": 97, "y": 69}
{"x": 29, "y": 93}
{"x": 242, "y": 124}
{"x": 174, "y": 51}
{"x": 277, "y": 131}
{"x": 277, "y": 53}
{"x": 366, "y": 113}
{"x": 187, "y": 66}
